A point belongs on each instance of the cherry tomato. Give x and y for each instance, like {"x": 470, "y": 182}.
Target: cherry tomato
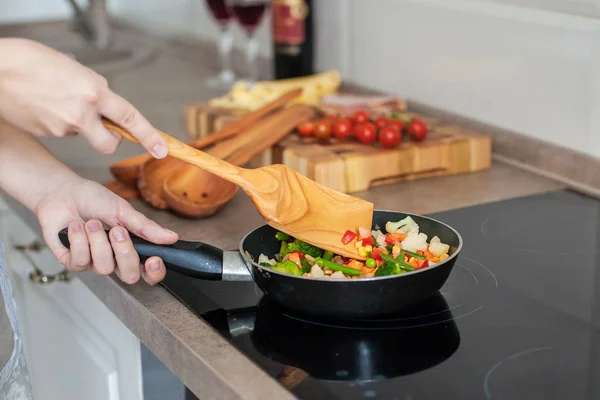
{"x": 389, "y": 137}
{"x": 417, "y": 130}
{"x": 359, "y": 117}
{"x": 365, "y": 133}
{"x": 396, "y": 123}
{"x": 306, "y": 128}
{"x": 342, "y": 128}
{"x": 381, "y": 122}
{"x": 323, "y": 130}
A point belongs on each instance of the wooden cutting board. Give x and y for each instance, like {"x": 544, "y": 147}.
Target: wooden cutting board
{"x": 353, "y": 167}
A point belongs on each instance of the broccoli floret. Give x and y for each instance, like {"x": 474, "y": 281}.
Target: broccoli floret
{"x": 284, "y": 250}
{"x": 282, "y": 236}
{"x": 305, "y": 265}
{"x": 389, "y": 268}
{"x": 304, "y": 247}
{"x": 287, "y": 267}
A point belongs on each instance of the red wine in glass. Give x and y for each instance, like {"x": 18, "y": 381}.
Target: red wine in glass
{"x": 219, "y": 10}
{"x": 222, "y": 13}
{"x": 249, "y": 14}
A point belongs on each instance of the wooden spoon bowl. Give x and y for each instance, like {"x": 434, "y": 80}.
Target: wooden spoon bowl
{"x": 194, "y": 193}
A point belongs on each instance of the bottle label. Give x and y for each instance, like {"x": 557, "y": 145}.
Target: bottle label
{"x": 288, "y": 21}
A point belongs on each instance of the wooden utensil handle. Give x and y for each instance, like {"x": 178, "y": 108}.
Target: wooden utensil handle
{"x": 184, "y": 152}
{"x": 247, "y": 119}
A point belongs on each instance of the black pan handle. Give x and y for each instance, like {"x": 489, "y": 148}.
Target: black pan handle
{"x": 194, "y": 259}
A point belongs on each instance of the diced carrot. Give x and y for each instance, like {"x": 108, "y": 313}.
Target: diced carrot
{"x": 436, "y": 259}
{"x": 413, "y": 261}
{"x": 367, "y": 270}
{"x": 355, "y": 264}
{"x": 295, "y": 257}
{"x": 428, "y": 254}
{"x": 397, "y": 236}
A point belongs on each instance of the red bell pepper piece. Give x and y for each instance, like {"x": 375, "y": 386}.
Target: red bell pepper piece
{"x": 376, "y": 254}
{"x": 389, "y": 239}
{"x": 348, "y": 237}
{"x": 368, "y": 241}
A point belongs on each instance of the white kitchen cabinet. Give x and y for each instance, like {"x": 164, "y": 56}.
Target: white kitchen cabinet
{"x": 75, "y": 347}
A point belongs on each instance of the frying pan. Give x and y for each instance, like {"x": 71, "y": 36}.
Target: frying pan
{"x": 349, "y": 298}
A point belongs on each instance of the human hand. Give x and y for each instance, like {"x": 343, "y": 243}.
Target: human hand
{"x": 84, "y": 206}
{"x": 48, "y": 94}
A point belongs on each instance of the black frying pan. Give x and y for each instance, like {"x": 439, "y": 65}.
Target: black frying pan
{"x": 351, "y": 298}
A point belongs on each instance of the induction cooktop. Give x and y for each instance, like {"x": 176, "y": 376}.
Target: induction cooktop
{"x": 517, "y": 319}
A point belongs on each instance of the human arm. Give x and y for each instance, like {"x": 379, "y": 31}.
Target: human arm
{"x": 48, "y": 94}
{"x": 60, "y": 198}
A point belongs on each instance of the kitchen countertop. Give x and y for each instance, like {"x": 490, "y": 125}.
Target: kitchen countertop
{"x": 203, "y": 360}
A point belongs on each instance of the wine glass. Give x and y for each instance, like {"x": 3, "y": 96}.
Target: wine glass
{"x": 249, "y": 14}
{"x": 222, "y": 13}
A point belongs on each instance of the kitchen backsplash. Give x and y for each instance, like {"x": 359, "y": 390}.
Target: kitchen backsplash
{"x": 529, "y": 66}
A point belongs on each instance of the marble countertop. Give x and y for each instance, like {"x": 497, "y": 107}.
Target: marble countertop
{"x": 194, "y": 351}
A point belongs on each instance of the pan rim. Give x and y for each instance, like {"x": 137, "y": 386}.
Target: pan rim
{"x": 373, "y": 279}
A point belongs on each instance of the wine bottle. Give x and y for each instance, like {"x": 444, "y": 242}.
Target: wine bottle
{"x": 292, "y": 38}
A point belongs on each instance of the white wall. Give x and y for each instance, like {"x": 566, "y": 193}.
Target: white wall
{"x": 15, "y": 11}
{"x": 532, "y": 71}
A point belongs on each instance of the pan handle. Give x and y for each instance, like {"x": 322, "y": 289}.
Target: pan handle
{"x": 193, "y": 259}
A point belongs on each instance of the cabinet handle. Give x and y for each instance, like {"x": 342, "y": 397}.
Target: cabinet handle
{"x": 35, "y": 246}
{"x": 37, "y": 275}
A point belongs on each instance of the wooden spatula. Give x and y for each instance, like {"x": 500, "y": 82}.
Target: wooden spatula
{"x": 287, "y": 200}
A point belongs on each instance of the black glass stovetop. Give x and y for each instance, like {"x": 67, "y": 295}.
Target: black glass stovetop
{"x": 518, "y": 318}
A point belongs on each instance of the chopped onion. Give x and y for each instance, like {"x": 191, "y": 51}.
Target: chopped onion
{"x": 363, "y": 233}
{"x": 379, "y": 237}
{"x": 264, "y": 259}
{"x": 338, "y": 275}
{"x": 316, "y": 272}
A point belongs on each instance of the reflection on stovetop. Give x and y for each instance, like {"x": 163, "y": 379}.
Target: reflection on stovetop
{"x": 517, "y": 318}
{"x": 347, "y": 350}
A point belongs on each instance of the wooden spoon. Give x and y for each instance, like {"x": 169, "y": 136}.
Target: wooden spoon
{"x": 287, "y": 200}
{"x": 128, "y": 171}
{"x": 193, "y": 192}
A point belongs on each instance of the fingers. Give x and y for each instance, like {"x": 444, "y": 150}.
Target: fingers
{"x": 111, "y": 253}
{"x": 79, "y": 259}
{"x": 128, "y": 260}
{"x": 99, "y": 137}
{"x": 91, "y": 248}
{"x": 153, "y": 270}
{"x": 103, "y": 262}
{"x": 140, "y": 225}
{"x": 124, "y": 114}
